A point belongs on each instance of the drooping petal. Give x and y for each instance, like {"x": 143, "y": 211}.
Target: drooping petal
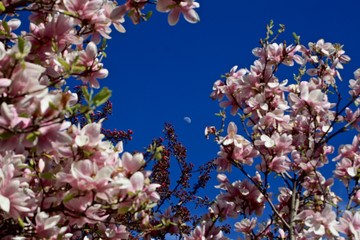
{"x": 173, "y": 17}
{"x": 191, "y": 16}
{"x": 118, "y": 12}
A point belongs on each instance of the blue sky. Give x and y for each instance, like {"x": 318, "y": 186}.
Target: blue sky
{"x": 162, "y": 74}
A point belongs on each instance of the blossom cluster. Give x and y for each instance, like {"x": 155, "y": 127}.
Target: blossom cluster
{"x": 287, "y": 127}
{"x": 61, "y": 177}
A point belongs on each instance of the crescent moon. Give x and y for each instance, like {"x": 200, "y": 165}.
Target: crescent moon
{"x": 187, "y": 119}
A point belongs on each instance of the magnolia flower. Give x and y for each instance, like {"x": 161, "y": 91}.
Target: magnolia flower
{"x": 46, "y": 227}
{"x": 15, "y": 195}
{"x": 246, "y": 225}
{"x": 132, "y": 163}
{"x": 94, "y": 69}
{"x": 186, "y": 7}
{"x": 85, "y": 175}
{"x": 320, "y": 224}
{"x": 90, "y": 135}
{"x": 349, "y": 224}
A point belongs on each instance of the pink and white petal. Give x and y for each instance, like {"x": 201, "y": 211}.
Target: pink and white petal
{"x": 191, "y": 16}
{"x": 118, "y": 12}
{"x": 91, "y": 50}
{"x": 14, "y": 23}
{"x": 174, "y": 16}
{"x": 119, "y": 27}
{"x": 5, "y": 82}
{"x": 4, "y": 203}
{"x": 137, "y": 181}
{"x": 51, "y": 222}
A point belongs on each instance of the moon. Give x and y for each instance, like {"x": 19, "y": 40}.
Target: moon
{"x": 187, "y": 119}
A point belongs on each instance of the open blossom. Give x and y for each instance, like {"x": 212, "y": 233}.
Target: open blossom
{"x": 176, "y": 7}
{"x": 132, "y": 163}
{"x": 349, "y": 224}
{"x": 58, "y": 28}
{"x": 348, "y": 166}
{"x": 353, "y": 118}
{"x": 89, "y": 136}
{"x": 314, "y": 98}
{"x": 320, "y": 224}
{"x": 280, "y": 164}
{"x": 205, "y": 231}
{"x": 92, "y": 13}
{"x": 116, "y": 231}
{"x": 235, "y": 147}
{"x": 10, "y": 118}
{"x": 95, "y": 70}
{"x": 246, "y": 225}
{"x": 197, "y": 234}
{"x": 85, "y": 175}
{"x": 355, "y": 87}
{"x": 246, "y": 196}
{"x": 325, "y": 48}
{"x": 15, "y": 194}
{"x": 347, "y": 169}
{"x": 133, "y": 7}
{"x": 46, "y": 226}
{"x": 86, "y": 211}
{"x": 109, "y": 9}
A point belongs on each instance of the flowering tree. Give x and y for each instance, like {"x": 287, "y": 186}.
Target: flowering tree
{"x": 61, "y": 174}
{"x": 283, "y": 152}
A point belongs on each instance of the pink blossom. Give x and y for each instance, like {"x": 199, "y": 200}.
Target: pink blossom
{"x": 247, "y": 197}
{"x": 25, "y": 79}
{"x": 132, "y": 163}
{"x": 115, "y": 231}
{"x": 95, "y": 17}
{"x": 234, "y": 148}
{"x": 82, "y": 211}
{"x": 218, "y": 90}
{"x": 10, "y": 118}
{"x": 205, "y": 231}
{"x": 355, "y": 87}
{"x": 321, "y": 47}
{"x": 353, "y": 118}
{"x": 320, "y": 224}
{"x": 280, "y": 164}
{"x": 347, "y": 169}
{"x": 110, "y": 13}
{"x": 89, "y": 136}
{"x": 60, "y": 29}
{"x": 46, "y": 226}
{"x": 349, "y": 224}
{"x": 197, "y": 234}
{"x": 186, "y": 7}
{"x": 223, "y": 209}
{"x": 246, "y": 225}
{"x": 15, "y": 194}
{"x": 94, "y": 69}
{"x": 85, "y": 175}
{"x": 137, "y": 182}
